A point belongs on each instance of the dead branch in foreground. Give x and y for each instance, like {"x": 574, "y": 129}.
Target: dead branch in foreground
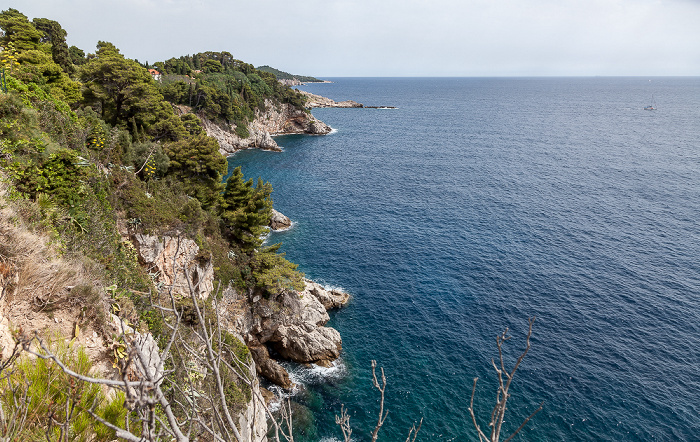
{"x": 164, "y": 404}
{"x": 344, "y": 420}
{"x": 505, "y": 377}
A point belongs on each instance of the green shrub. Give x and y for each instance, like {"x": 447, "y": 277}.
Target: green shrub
{"x": 242, "y": 130}
{"x": 52, "y": 398}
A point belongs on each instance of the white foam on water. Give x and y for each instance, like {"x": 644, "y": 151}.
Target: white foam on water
{"x": 332, "y": 131}
{"x": 302, "y": 375}
{"x": 315, "y": 374}
{"x": 329, "y": 287}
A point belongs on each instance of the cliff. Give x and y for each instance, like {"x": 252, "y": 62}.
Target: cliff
{"x": 274, "y": 119}
{"x": 290, "y": 323}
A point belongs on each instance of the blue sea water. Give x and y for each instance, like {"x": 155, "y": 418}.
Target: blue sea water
{"x": 478, "y": 203}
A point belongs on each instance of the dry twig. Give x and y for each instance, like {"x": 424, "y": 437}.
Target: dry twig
{"x": 505, "y": 378}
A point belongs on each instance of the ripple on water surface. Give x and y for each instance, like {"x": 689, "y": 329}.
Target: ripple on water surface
{"x": 478, "y": 203}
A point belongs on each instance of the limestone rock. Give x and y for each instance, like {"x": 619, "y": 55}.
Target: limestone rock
{"x": 149, "y": 351}
{"x": 269, "y": 368}
{"x": 276, "y": 119}
{"x": 330, "y": 299}
{"x": 313, "y": 100}
{"x": 307, "y": 344}
{"x": 278, "y": 221}
{"x": 168, "y": 257}
{"x": 293, "y": 324}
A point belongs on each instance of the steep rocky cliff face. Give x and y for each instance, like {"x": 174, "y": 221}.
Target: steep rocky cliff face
{"x": 276, "y": 119}
{"x": 290, "y": 324}
{"x": 177, "y": 263}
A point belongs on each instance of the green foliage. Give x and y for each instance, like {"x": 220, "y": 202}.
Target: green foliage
{"x": 19, "y": 129}
{"x": 37, "y": 67}
{"x": 273, "y": 273}
{"x": 56, "y": 35}
{"x": 281, "y": 75}
{"x": 125, "y": 93}
{"x": 163, "y": 206}
{"x": 242, "y": 130}
{"x": 75, "y": 153}
{"x": 246, "y": 210}
{"x": 54, "y": 398}
{"x": 228, "y": 89}
{"x": 153, "y": 153}
{"x": 176, "y": 90}
{"x": 192, "y": 124}
{"x": 59, "y": 176}
{"x": 196, "y": 161}
{"x": 18, "y": 30}
{"x": 77, "y": 56}
{"x": 211, "y": 66}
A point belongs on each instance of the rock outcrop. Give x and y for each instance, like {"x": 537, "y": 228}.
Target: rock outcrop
{"x": 329, "y": 298}
{"x": 313, "y": 100}
{"x": 290, "y": 325}
{"x": 170, "y": 258}
{"x": 276, "y": 119}
{"x": 278, "y": 221}
{"x": 268, "y": 367}
{"x": 167, "y": 257}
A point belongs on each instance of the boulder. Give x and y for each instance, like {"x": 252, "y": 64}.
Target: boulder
{"x": 307, "y": 344}
{"x": 278, "y": 221}
{"x": 293, "y": 324}
{"x": 330, "y": 299}
{"x": 269, "y": 368}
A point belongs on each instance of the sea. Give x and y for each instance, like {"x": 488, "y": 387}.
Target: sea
{"x": 476, "y": 204}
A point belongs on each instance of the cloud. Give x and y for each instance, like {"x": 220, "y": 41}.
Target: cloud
{"x": 391, "y": 37}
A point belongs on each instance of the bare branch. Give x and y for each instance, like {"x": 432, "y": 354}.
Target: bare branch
{"x": 382, "y": 415}
{"x": 344, "y": 422}
{"x": 414, "y": 431}
{"x": 502, "y": 393}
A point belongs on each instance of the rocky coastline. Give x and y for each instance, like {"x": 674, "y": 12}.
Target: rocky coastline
{"x": 276, "y": 119}
{"x": 289, "y": 325}
{"x": 315, "y": 101}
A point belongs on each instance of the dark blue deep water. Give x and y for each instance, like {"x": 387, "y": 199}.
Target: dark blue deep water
{"x": 477, "y": 204}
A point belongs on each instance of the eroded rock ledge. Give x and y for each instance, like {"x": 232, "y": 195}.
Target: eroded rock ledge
{"x": 278, "y": 221}
{"x": 276, "y": 119}
{"x": 313, "y": 100}
{"x": 290, "y": 325}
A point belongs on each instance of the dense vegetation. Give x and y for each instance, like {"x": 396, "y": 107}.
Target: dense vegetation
{"x": 281, "y": 75}
{"x": 221, "y": 86}
{"x": 90, "y": 142}
{"x": 95, "y": 138}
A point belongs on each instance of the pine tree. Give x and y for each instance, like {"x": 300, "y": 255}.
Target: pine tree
{"x": 247, "y": 209}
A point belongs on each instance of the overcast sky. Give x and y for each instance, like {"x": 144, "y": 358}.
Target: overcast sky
{"x": 333, "y": 38}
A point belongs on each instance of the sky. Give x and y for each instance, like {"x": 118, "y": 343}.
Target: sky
{"x": 392, "y": 38}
